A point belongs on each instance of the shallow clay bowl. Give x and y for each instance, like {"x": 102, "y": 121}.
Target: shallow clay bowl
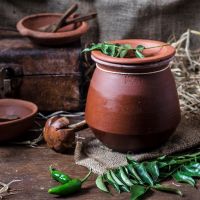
{"x": 24, "y": 110}
{"x": 28, "y": 26}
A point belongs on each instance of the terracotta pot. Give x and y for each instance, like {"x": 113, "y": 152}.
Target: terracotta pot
{"x": 132, "y": 103}
{"x": 28, "y": 26}
{"x": 26, "y": 112}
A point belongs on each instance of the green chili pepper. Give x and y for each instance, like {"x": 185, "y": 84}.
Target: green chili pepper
{"x": 74, "y": 185}
{"x": 59, "y": 176}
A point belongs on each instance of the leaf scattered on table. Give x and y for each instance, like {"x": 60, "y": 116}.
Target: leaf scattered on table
{"x": 140, "y": 177}
{"x": 100, "y": 184}
{"x": 142, "y": 172}
{"x": 137, "y": 191}
{"x": 168, "y": 189}
{"x": 183, "y": 178}
{"x": 152, "y": 169}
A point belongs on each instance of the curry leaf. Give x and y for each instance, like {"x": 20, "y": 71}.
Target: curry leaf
{"x": 93, "y": 47}
{"x": 161, "y": 164}
{"x": 152, "y": 169}
{"x": 112, "y": 182}
{"x": 192, "y": 169}
{"x": 182, "y": 177}
{"x": 143, "y": 173}
{"x": 123, "y": 53}
{"x": 127, "y": 46}
{"x": 162, "y": 157}
{"x": 130, "y": 160}
{"x": 100, "y": 184}
{"x": 167, "y": 189}
{"x": 138, "y": 54}
{"x": 134, "y": 174}
{"x": 140, "y": 48}
{"x": 166, "y": 173}
{"x": 119, "y": 50}
{"x": 124, "y": 188}
{"x": 139, "y": 177}
{"x": 133, "y": 181}
{"x": 137, "y": 191}
{"x": 115, "y": 178}
{"x": 115, "y": 50}
{"x": 124, "y": 177}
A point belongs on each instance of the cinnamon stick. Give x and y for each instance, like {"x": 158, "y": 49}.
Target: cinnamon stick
{"x": 61, "y": 22}
{"x": 81, "y": 18}
{"x": 55, "y": 26}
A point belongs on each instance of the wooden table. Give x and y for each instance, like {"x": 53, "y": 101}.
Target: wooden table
{"x": 31, "y": 166}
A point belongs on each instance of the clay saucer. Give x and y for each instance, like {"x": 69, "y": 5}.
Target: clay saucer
{"x": 29, "y": 27}
{"x": 20, "y": 116}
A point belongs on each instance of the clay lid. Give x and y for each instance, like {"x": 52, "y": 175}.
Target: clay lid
{"x": 151, "y": 55}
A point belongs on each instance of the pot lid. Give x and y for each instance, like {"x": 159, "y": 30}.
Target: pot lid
{"x": 155, "y": 54}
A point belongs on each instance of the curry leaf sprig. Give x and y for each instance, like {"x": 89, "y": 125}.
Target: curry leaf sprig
{"x": 119, "y": 50}
{"x": 139, "y": 178}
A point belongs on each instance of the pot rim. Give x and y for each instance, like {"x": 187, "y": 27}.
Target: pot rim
{"x": 83, "y": 28}
{"x": 136, "y": 69}
{"x": 162, "y": 53}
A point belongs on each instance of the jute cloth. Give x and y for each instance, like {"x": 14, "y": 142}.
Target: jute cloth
{"x": 91, "y": 153}
{"x": 117, "y": 19}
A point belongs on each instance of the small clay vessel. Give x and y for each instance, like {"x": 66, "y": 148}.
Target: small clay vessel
{"x": 24, "y": 112}
{"x": 132, "y": 103}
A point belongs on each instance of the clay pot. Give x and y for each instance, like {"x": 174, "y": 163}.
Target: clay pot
{"x": 28, "y": 26}
{"x": 132, "y": 103}
{"x": 25, "y": 112}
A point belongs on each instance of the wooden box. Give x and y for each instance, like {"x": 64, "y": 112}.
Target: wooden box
{"x": 49, "y": 77}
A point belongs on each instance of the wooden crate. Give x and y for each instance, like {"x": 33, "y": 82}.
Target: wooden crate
{"x": 49, "y": 77}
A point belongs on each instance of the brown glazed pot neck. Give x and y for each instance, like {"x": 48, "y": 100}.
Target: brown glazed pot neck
{"x": 155, "y": 58}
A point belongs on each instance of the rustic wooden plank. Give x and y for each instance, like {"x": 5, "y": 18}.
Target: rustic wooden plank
{"x": 31, "y": 166}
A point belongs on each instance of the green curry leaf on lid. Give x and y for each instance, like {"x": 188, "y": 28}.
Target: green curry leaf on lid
{"x": 120, "y": 50}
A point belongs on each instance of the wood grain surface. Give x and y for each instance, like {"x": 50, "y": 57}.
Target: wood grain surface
{"x": 31, "y": 166}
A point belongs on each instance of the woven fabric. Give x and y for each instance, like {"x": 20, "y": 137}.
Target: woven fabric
{"x": 117, "y": 19}
{"x": 92, "y": 154}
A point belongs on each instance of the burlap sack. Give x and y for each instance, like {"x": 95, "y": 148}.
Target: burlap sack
{"x": 92, "y": 154}
{"x": 116, "y": 18}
